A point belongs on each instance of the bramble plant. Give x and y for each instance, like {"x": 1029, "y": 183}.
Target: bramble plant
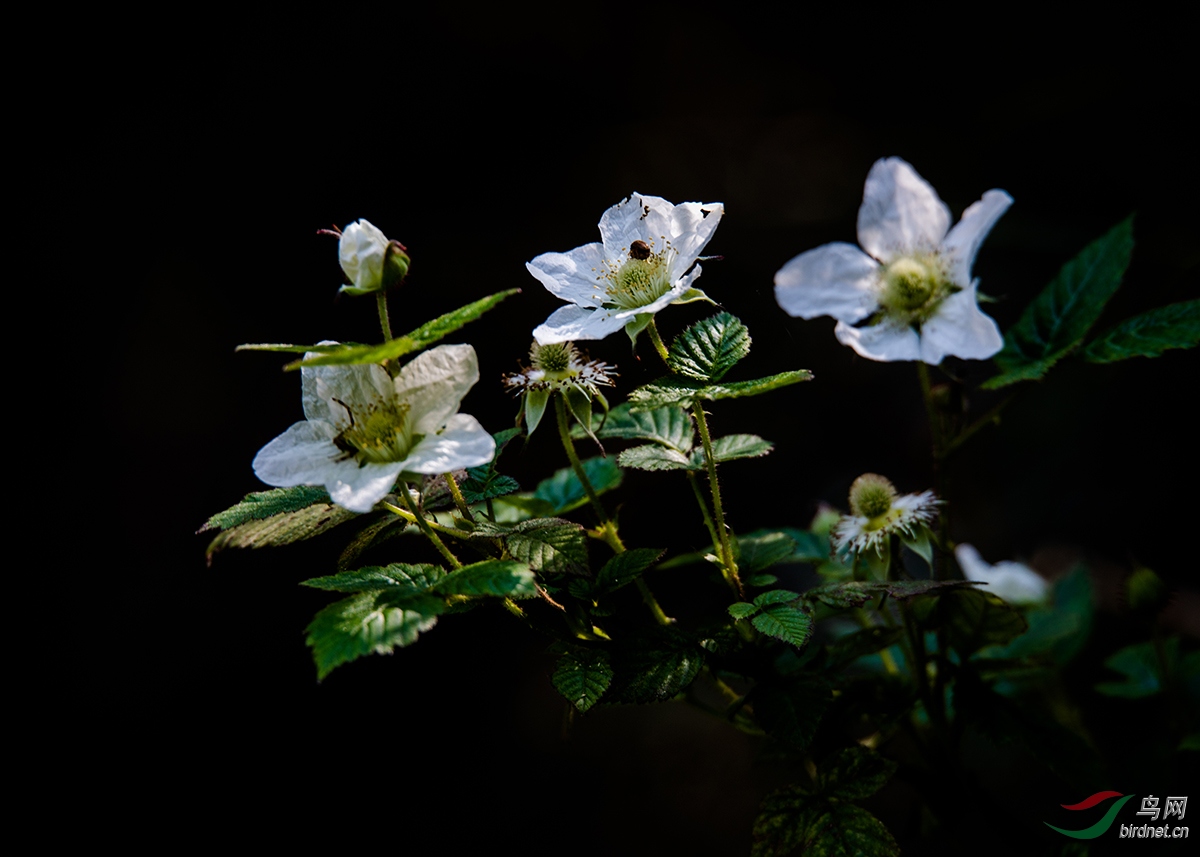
{"x": 906, "y": 634}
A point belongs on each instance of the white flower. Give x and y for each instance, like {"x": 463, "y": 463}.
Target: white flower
{"x": 558, "y": 367}
{"x": 646, "y": 261}
{"x": 878, "y": 512}
{"x": 915, "y": 287}
{"x": 364, "y": 429}
{"x": 369, "y": 259}
{"x": 1013, "y": 581}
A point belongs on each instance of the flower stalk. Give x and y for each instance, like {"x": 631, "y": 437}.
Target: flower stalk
{"x": 407, "y": 500}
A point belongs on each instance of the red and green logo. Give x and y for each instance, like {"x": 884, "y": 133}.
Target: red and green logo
{"x": 1100, "y": 826}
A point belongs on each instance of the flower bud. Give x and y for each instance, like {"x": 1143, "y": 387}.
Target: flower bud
{"x": 370, "y": 261}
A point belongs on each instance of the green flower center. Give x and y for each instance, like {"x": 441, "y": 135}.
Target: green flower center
{"x": 638, "y": 282}
{"x": 555, "y": 357}
{"x": 871, "y": 496}
{"x": 913, "y": 287}
{"x": 381, "y": 435}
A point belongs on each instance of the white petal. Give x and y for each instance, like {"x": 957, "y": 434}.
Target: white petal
{"x": 570, "y": 323}
{"x": 434, "y": 384}
{"x": 959, "y": 328}
{"x": 1013, "y": 581}
{"x": 302, "y": 455}
{"x": 637, "y": 218}
{"x": 837, "y": 280}
{"x": 692, "y": 227}
{"x": 361, "y": 250}
{"x": 575, "y": 276}
{"x": 885, "y": 341}
{"x": 463, "y": 443}
{"x": 962, "y": 243}
{"x": 900, "y": 212}
{"x": 358, "y": 388}
{"x": 359, "y": 488}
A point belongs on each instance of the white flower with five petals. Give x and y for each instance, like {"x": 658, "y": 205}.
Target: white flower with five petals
{"x": 645, "y": 260}
{"x": 365, "y": 429}
{"x": 913, "y": 284}
{"x": 1015, "y": 582}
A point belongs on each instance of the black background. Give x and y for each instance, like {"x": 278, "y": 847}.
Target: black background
{"x": 204, "y": 160}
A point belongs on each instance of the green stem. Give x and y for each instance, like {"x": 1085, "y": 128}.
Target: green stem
{"x": 459, "y": 500}
{"x": 703, "y": 504}
{"x": 992, "y": 416}
{"x": 652, "y": 329}
{"x": 433, "y": 525}
{"x": 608, "y": 529}
{"x": 381, "y": 303}
{"x": 406, "y": 498}
{"x": 727, "y": 561}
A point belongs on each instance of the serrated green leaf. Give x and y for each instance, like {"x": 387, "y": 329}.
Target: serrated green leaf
{"x": 741, "y": 609}
{"x": 495, "y": 485}
{"x": 654, "y": 457}
{"x": 1058, "y": 319}
{"x": 1148, "y": 334}
{"x": 284, "y": 529}
{"x": 654, "y": 668}
{"x": 357, "y": 626}
{"x": 495, "y": 577}
{"x": 1139, "y": 664}
{"x": 709, "y": 348}
{"x": 791, "y": 710}
{"x": 626, "y": 567}
{"x": 738, "y": 389}
{"x": 854, "y": 773}
{"x": 733, "y": 446}
{"x": 582, "y": 675}
{"x": 564, "y": 492}
{"x": 684, "y": 392}
{"x": 856, "y": 593}
{"x": 416, "y": 340}
{"x": 763, "y": 549}
{"x": 784, "y": 622}
{"x": 671, "y": 427}
{"x": 793, "y": 822}
{"x": 976, "y": 619}
{"x": 267, "y": 504}
{"x": 549, "y": 545}
{"x": 370, "y": 536}
{"x": 294, "y": 349}
{"x": 401, "y": 576}
{"x": 776, "y": 596}
{"x": 760, "y": 580}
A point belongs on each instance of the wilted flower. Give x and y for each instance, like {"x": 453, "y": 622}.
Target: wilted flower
{"x": 1015, "y": 582}
{"x": 557, "y": 367}
{"x": 365, "y": 429}
{"x": 369, "y": 259}
{"x": 876, "y": 512}
{"x": 646, "y": 261}
{"x": 916, "y": 292}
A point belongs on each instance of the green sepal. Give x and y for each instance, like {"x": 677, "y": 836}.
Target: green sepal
{"x": 636, "y": 325}
{"x": 693, "y": 295}
{"x": 535, "y": 406}
{"x": 582, "y": 675}
{"x": 919, "y": 544}
{"x": 709, "y": 348}
{"x": 1148, "y": 334}
{"x": 580, "y": 406}
{"x": 1058, "y": 319}
{"x": 395, "y": 269}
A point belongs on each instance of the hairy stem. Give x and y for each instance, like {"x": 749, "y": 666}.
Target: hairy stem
{"x": 727, "y": 561}
{"x": 459, "y": 500}
{"x": 384, "y": 322}
{"x": 407, "y": 499}
{"x": 652, "y": 329}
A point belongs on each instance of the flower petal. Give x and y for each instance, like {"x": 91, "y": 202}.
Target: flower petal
{"x": 636, "y": 218}
{"x": 359, "y": 487}
{"x": 692, "y": 227}
{"x": 434, "y": 384}
{"x": 463, "y": 443}
{"x": 885, "y": 341}
{"x": 900, "y": 212}
{"x": 1015, "y": 582}
{"x": 302, "y": 455}
{"x": 959, "y": 328}
{"x": 571, "y": 322}
{"x": 361, "y": 251}
{"x": 837, "y": 280}
{"x": 357, "y": 387}
{"x": 962, "y": 242}
{"x": 575, "y": 276}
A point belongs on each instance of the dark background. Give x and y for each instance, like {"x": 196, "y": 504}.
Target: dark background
{"x": 208, "y": 160}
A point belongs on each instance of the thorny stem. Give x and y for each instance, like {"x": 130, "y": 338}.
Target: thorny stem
{"x": 703, "y": 504}
{"x": 729, "y": 566}
{"x": 406, "y": 498}
{"x": 608, "y": 529}
{"x": 652, "y": 329}
{"x": 459, "y": 500}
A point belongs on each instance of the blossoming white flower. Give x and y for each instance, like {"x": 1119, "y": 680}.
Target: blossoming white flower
{"x": 915, "y": 287}
{"x": 558, "y": 367}
{"x": 369, "y": 259}
{"x": 1015, "y": 582}
{"x": 876, "y": 512}
{"x": 365, "y": 429}
{"x": 646, "y": 260}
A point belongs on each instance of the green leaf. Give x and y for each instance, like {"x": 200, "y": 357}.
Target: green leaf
{"x": 671, "y": 427}
{"x": 582, "y": 675}
{"x": 653, "y": 457}
{"x": 793, "y": 822}
{"x": 1149, "y": 334}
{"x": 357, "y": 626}
{"x": 740, "y": 610}
{"x": 370, "y": 536}
{"x": 494, "y": 486}
{"x": 738, "y": 389}
{"x": 654, "y": 668}
{"x": 709, "y": 348}
{"x": 626, "y": 567}
{"x": 784, "y": 622}
{"x": 976, "y": 619}
{"x": 791, "y": 710}
{"x": 266, "y": 504}
{"x": 501, "y": 578}
{"x": 549, "y": 545}
{"x": 854, "y": 773}
{"x": 416, "y": 340}
{"x": 856, "y": 593}
{"x": 294, "y": 349}
{"x": 851, "y": 647}
{"x": 1141, "y": 669}
{"x": 733, "y": 446}
{"x": 1058, "y": 319}
{"x": 564, "y": 492}
{"x": 283, "y": 529}
{"x": 401, "y": 576}
{"x": 763, "y": 549}
{"x": 684, "y": 392}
